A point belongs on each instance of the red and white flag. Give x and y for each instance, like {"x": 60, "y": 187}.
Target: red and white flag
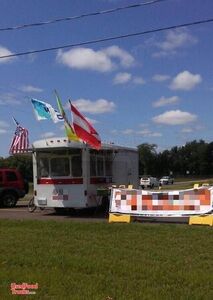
{"x": 84, "y": 130}
{"x": 20, "y": 142}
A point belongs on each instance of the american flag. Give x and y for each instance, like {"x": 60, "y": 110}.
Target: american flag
{"x": 20, "y": 142}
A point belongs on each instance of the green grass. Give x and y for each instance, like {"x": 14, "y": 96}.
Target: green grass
{"x": 80, "y": 261}
{"x": 186, "y": 185}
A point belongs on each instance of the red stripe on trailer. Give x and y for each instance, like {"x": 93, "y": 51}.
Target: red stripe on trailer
{"x": 94, "y": 180}
{"x": 60, "y": 181}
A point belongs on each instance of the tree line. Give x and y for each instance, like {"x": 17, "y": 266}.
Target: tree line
{"x": 195, "y": 158}
{"x": 22, "y": 163}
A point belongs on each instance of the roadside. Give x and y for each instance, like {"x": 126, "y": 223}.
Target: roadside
{"x": 20, "y": 212}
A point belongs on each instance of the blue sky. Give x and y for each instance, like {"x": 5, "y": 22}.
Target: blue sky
{"x": 154, "y": 88}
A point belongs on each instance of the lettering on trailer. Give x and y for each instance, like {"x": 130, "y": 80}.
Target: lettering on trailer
{"x": 60, "y": 194}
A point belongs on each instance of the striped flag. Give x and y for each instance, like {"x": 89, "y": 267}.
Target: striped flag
{"x": 20, "y": 142}
{"x": 68, "y": 127}
{"x": 84, "y": 129}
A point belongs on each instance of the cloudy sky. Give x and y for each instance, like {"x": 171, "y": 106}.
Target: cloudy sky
{"x": 154, "y": 88}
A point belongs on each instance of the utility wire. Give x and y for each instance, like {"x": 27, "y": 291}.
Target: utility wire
{"x": 103, "y": 12}
{"x": 108, "y": 38}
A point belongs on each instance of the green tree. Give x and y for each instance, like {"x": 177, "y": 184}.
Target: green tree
{"x": 147, "y": 158}
{"x": 22, "y": 163}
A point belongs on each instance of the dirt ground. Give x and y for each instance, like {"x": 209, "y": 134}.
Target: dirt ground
{"x": 20, "y": 212}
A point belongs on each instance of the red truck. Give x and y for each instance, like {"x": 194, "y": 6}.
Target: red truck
{"x": 12, "y": 187}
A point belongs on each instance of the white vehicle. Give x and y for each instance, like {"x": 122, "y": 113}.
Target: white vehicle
{"x": 148, "y": 181}
{"x": 72, "y": 175}
{"x": 166, "y": 180}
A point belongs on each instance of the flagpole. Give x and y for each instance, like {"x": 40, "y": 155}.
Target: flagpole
{"x": 15, "y": 121}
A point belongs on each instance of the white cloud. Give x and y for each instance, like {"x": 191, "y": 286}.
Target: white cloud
{"x": 48, "y": 134}
{"x": 138, "y": 80}
{"x": 155, "y": 134}
{"x": 196, "y": 127}
{"x": 144, "y": 132}
{"x": 128, "y": 131}
{"x": 3, "y": 52}
{"x": 166, "y": 101}
{"x": 185, "y": 81}
{"x": 9, "y": 99}
{"x": 175, "y": 117}
{"x": 122, "y": 78}
{"x": 148, "y": 133}
{"x": 126, "y": 59}
{"x": 114, "y": 131}
{"x": 160, "y": 77}
{"x": 174, "y": 40}
{"x": 99, "y": 106}
{"x": 187, "y": 130}
{"x": 85, "y": 58}
{"x": 30, "y": 88}
{"x": 89, "y": 59}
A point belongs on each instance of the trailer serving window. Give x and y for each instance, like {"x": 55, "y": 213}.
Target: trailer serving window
{"x": 76, "y": 165}
{"x": 60, "y": 166}
{"x": 100, "y": 163}
{"x": 60, "y": 163}
{"x": 43, "y": 167}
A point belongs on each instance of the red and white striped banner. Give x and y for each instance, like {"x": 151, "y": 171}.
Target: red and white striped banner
{"x": 84, "y": 130}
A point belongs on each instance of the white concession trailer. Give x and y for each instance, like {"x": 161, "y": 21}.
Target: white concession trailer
{"x": 70, "y": 174}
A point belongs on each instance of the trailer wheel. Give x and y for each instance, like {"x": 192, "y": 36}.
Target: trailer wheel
{"x": 9, "y": 200}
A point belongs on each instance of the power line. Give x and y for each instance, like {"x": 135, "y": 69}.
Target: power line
{"x": 107, "y": 38}
{"x": 112, "y": 10}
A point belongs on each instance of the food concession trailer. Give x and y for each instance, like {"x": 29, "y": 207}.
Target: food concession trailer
{"x": 70, "y": 174}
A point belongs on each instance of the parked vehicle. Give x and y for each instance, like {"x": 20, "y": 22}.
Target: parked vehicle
{"x": 166, "y": 180}
{"x": 148, "y": 181}
{"x": 12, "y": 187}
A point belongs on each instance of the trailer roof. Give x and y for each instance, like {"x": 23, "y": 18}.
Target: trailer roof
{"x": 63, "y": 142}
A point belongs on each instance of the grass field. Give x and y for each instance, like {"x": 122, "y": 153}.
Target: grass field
{"x": 106, "y": 261}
